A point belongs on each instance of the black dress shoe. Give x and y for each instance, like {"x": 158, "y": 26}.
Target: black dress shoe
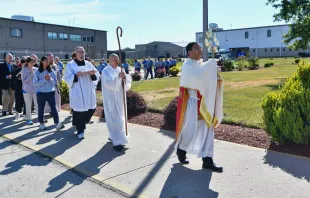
{"x": 209, "y": 164}
{"x": 118, "y": 148}
{"x": 182, "y": 156}
{"x": 4, "y": 113}
{"x": 11, "y": 113}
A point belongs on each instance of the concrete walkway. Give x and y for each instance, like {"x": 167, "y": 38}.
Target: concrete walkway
{"x": 149, "y": 167}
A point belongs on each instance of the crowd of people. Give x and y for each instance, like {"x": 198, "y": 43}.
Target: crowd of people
{"x": 30, "y": 84}
{"x": 32, "y": 87}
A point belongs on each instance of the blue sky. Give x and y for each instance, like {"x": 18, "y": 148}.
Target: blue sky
{"x": 145, "y": 21}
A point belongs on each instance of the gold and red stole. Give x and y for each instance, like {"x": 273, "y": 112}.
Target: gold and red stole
{"x": 202, "y": 78}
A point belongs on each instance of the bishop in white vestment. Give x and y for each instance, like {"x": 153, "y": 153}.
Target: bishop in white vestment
{"x": 112, "y": 93}
{"x": 80, "y": 76}
{"x": 200, "y": 108}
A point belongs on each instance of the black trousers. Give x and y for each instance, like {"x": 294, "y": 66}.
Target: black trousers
{"x": 80, "y": 119}
{"x": 19, "y": 101}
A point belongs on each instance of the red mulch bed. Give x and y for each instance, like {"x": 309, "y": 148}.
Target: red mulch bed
{"x": 230, "y": 133}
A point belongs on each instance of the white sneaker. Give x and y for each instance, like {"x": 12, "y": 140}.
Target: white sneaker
{"x": 81, "y": 136}
{"x": 16, "y": 116}
{"x": 59, "y": 126}
{"x": 43, "y": 127}
{"x": 25, "y": 119}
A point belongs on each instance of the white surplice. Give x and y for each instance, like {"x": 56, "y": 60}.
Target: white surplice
{"x": 82, "y": 93}
{"x": 195, "y": 136}
{"x": 113, "y": 103}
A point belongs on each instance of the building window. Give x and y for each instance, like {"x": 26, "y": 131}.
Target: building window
{"x": 277, "y": 50}
{"x": 254, "y": 50}
{"x": 265, "y": 50}
{"x": 52, "y": 35}
{"x": 268, "y": 33}
{"x": 271, "y": 50}
{"x": 246, "y": 35}
{"x": 88, "y": 38}
{"x": 74, "y": 37}
{"x": 283, "y": 49}
{"x": 290, "y": 49}
{"x": 63, "y": 36}
{"x": 16, "y": 32}
{"x": 200, "y": 39}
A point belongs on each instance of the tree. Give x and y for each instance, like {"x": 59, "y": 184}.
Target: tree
{"x": 297, "y": 14}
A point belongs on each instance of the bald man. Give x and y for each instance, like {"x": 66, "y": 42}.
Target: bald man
{"x": 7, "y": 75}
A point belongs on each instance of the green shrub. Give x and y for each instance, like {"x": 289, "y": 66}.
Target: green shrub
{"x": 253, "y": 62}
{"x": 64, "y": 92}
{"x": 267, "y": 65}
{"x": 240, "y": 63}
{"x": 174, "y": 71}
{"x": 228, "y": 65}
{"x": 130, "y": 61}
{"x": 286, "y": 111}
{"x": 271, "y": 58}
{"x": 297, "y": 60}
{"x": 271, "y": 64}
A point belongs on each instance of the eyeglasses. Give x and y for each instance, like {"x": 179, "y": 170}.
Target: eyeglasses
{"x": 81, "y": 51}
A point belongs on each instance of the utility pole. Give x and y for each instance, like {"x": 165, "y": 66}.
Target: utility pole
{"x": 205, "y": 29}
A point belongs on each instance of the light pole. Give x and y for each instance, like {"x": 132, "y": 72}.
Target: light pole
{"x": 205, "y": 29}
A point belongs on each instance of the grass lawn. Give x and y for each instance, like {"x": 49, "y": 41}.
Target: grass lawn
{"x": 243, "y": 90}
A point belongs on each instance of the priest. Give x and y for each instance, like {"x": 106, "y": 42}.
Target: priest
{"x": 200, "y": 108}
{"x": 80, "y": 76}
{"x": 112, "y": 77}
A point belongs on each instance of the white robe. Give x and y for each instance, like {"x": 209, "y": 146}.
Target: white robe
{"x": 82, "y": 94}
{"x": 195, "y": 136}
{"x": 113, "y": 103}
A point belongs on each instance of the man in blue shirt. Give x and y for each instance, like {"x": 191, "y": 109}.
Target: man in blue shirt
{"x": 156, "y": 66}
{"x": 60, "y": 65}
{"x": 102, "y": 65}
{"x": 167, "y": 67}
{"x": 144, "y": 63}
{"x": 149, "y": 66}
{"x": 137, "y": 65}
{"x": 126, "y": 67}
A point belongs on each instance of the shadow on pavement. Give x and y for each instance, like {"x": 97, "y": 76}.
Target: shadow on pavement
{"x": 296, "y": 166}
{"x": 90, "y": 167}
{"x": 185, "y": 182}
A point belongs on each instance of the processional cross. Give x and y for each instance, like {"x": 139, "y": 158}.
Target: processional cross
{"x": 211, "y": 42}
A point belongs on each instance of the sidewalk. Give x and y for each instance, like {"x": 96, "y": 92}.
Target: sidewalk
{"x": 149, "y": 167}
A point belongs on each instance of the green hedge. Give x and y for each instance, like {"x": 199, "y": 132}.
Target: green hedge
{"x": 287, "y": 111}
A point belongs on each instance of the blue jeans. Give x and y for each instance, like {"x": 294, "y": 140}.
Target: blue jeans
{"x": 48, "y": 97}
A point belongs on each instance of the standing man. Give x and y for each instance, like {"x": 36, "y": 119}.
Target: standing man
{"x": 126, "y": 67}
{"x": 80, "y": 76}
{"x": 144, "y": 63}
{"x": 7, "y": 75}
{"x": 167, "y": 67}
{"x": 200, "y": 108}
{"x": 102, "y": 65}
{"x": 149, "y": 68}
{"x": 60, "y": 65}
{"x": 113, "y": 104}
{"x": 137, "y": 65}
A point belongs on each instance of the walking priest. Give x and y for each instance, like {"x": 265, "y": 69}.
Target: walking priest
{"x": 114, "y": 112}
{"x": 200, "y": 108}
{"x": 80, "y": 76}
